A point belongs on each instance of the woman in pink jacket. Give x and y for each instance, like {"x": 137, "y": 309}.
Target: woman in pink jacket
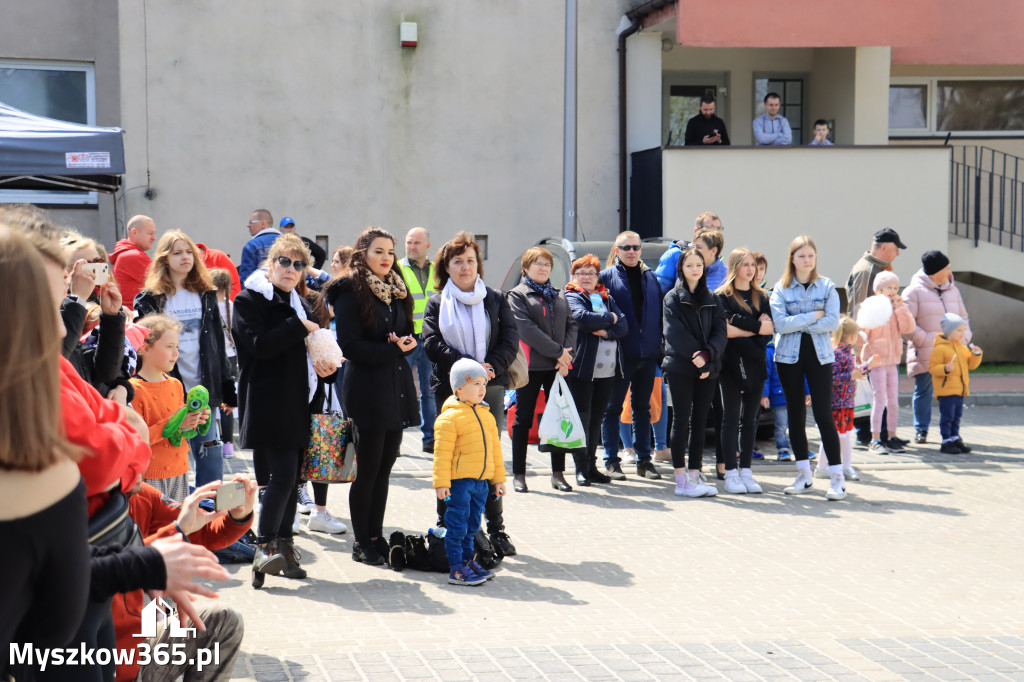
{"x": 930, "y": 295}
{"x": 885, "y": 344}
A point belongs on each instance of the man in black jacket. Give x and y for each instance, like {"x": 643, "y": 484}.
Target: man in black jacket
{"x": 706, "y": 128}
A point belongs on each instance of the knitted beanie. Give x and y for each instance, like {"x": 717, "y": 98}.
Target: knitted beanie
{"x": 933, "y": 261}
{"x": 950, "y": 322}
{"x": 464, "y": 371}
{"x": 884, "y": 279}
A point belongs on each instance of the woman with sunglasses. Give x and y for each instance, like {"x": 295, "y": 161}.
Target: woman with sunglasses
{"x": 179, "y": 285}
{"x": 373, "y": 310}
{"x": 277, "y": 384}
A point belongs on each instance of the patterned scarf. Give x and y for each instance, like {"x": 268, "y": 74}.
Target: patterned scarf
{"x": 599, "y": 289}
{"x": 546, "y": 291}
{"x": 392, "y": 286}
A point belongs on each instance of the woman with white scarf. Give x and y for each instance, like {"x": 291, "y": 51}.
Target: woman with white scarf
{"x": 277, "y": 384}
{"x": 468, "y": 319}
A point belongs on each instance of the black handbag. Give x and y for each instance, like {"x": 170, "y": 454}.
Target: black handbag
{"x": 112, "y": 525}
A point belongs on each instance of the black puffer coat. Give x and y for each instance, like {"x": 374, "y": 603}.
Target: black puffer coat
{"x": 693, "y": 322}
{"x": 744, "y": 358}
{"x": 378, "y": 391}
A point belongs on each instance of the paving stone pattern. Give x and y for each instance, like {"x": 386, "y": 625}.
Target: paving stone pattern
{"x": 917, "y": 575}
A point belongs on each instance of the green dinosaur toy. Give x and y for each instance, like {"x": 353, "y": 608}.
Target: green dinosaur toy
{"x": 197, "y": 399}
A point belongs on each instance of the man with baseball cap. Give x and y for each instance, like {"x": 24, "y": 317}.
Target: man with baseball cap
{"x": 884, "y": 249}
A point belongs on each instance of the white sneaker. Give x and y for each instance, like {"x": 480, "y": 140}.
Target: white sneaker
{"x": 837, "y": 488}
{"x": 692, "y": 487}
{"x": 851, "y": 474}
{"x": 322, "y": 520}
{"x": 629, "y": 456}
{"x": 803, "y": 483}
{"x": 296, "y": 528}
{"x": 304, "y": 505}
{"x": 749, "y": 483}
{"x": 733, "y": 484}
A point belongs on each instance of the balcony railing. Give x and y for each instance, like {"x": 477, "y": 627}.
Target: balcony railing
{"x": 986, "y": 197}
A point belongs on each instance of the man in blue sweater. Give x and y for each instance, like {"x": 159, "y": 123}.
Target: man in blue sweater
{"x": 669, "y": 261}
{"x": 261, "y": 227}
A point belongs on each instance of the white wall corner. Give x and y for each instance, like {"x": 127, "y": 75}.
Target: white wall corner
{"x": 643, "y": 91}
{"x": 871, "y": 93}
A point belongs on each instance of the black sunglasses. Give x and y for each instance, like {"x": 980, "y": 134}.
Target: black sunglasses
{"x": 286, "y": 262}
{"x": 629, "y": 247}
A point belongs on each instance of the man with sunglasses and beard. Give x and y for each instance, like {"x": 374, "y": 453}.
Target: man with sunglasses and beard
{"x": 636, "y": 291}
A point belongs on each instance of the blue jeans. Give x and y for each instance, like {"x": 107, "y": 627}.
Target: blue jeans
{"x": 638, "y": 375}
{"x": 420, "y": 364}
{"x": 660, "y": 427}
{"x": 781, "y": 428}
{"x": 462, "y": 518}
{"x": 207, "y": 453}
{"x": 922, "y": 400}
{"x": 951, "y": 408}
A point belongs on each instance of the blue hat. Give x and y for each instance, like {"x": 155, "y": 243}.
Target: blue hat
{"x": 286, "y": 221}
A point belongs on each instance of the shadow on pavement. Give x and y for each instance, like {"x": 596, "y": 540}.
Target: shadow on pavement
{"x": 269, "y": 668}
{"x": 597, "y": 572}
{"x": 378, "y": 595}
{"x": 505, "y": 587}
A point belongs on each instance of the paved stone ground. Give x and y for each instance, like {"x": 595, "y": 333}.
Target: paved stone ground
{"x": 917, "y": 575}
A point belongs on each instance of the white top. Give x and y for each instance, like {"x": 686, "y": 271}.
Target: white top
{"x": 187, "y": 307}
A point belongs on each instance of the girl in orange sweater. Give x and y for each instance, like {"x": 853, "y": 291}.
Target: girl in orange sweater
{"x": 157, "y": 397}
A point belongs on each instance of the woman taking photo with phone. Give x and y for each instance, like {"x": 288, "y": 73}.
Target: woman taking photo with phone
{"x": 805, "y": 311}
{"x": 278, "y": 383}
{"x": 373, "y": 313}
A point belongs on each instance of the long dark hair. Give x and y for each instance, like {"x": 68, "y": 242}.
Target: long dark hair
{"x": 358, "y": 276}
{"x": 702, "y": 283}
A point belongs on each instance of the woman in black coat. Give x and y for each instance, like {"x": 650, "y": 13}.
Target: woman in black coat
{"x": 695, "y": 338}
{"x": 464, "y": 301}
{"x": 277, "y": 384}
{"x": 373, "y": 312}
{"x": 744, "y": 367}
{"x": 597, "y": 358}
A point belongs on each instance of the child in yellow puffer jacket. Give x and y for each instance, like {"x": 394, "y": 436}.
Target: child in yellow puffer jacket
{"x": 467, "y": 456}
{"x": 950, "y": 365}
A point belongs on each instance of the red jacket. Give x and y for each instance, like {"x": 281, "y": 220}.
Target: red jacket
{"x": 114, "y": 450}
{"x": 129, "y": 264}
{"x": 215, "y": 258}
{"x": 155, "y": 517}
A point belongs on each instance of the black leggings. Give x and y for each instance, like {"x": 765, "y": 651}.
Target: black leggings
{"x": 591, "y": 396}
{"x": 279, "y": 469}
{"x": 526, "y": 406}
{"x": 819, "y": 381}
{"x": 319, "y": 494}
{"x": 691, "y": 400}
{"x": 738, "y": 431}
{"x": 368, "y": 497}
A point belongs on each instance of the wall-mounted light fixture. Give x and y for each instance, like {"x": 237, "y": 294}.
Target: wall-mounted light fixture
{"x": 407, "y": 33}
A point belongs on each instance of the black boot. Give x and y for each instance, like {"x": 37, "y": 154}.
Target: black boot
{"x": 266, "y": 559}
{"x": 596, "y": 475}
{"x": 494, "y": 513}
{"x": 582, "y": 463}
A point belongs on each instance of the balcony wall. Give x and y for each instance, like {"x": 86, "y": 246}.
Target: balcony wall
{"x": 838, "y": 195}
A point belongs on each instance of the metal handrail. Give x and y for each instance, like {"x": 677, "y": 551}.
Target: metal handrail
{"x": 986, "y": 201}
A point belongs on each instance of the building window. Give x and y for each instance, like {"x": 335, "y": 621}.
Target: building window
{"x": 967, "y": 106}
{"x": 64, "y": 91}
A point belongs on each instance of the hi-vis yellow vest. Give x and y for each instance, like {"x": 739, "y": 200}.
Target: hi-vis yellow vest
{"x": 419, "y": 297}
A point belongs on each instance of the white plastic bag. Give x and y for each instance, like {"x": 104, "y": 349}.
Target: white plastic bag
{"x": 560, "y": 425}
{"x": 862, "y": 399}
{"x": 323, "y": 345}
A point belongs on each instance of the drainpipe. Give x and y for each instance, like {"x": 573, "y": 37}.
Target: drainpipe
{"x": 623, "y": 158}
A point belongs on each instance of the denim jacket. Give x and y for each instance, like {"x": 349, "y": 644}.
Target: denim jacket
{"x": 793, "y": 309}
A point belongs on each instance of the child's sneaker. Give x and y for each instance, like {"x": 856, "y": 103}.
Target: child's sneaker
{"x": 851, "y": 474}
{"x": 479, "y": 570}
{"x": 693, "y": 487}
{"x": 757, "y": 455}
{"x": 877, "y": 447}
{"x": 785, "y": 456}
{"x": 803, "y": 483}
{"x": 461, "y": 575}
{"x": 836, "y": 488}
{"x": 228, "y": 451}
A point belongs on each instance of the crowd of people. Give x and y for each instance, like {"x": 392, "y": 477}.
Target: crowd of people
{"x": 94, "y": 421}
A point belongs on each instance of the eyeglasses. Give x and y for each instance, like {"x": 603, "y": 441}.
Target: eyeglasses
{"x": 546, "y": 266}
{"x": 586, "y": 273}
{"x": 253, "y": 222}
{"x": 628, "y": 247}
{"x": 286, "y": 262}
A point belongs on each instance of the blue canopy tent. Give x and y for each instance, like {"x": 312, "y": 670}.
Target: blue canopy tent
{"x": 42, "y": 153}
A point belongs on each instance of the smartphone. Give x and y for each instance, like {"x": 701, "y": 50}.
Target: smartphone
{"x": 100, "y": 271}
{"x": 230, "y": 494}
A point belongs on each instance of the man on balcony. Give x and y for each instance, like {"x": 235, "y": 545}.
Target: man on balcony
{"x": 770, "y": 128}
{"x": 705, "y": 128}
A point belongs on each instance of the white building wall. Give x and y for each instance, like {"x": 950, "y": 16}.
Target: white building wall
{"x": 313, "y": 110}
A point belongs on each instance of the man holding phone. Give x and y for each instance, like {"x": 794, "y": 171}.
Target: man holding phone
{"x": 705, "y": 128}
{"x": 158, "y": 517}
